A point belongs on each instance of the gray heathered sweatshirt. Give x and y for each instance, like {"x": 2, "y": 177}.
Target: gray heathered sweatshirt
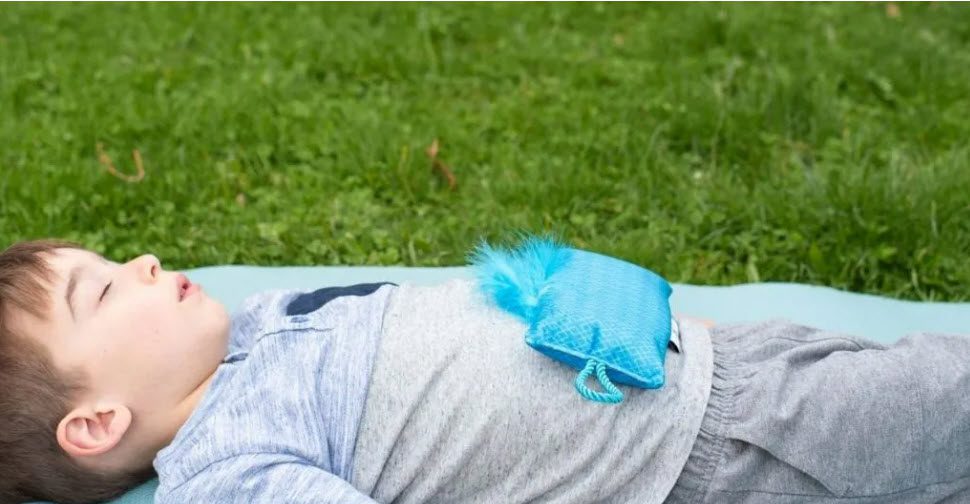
{"x": 380, "y": 393}
{"x": 461, "y": 410}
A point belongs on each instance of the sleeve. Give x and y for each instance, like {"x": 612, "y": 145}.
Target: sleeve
{"x": 263, "y": 477}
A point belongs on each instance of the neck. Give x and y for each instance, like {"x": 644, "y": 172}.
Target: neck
{"x": 160, "y": 429}
{"x": 183, "y": 411}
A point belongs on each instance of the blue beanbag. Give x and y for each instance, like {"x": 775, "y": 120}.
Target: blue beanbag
{"x": 878, "y": 318}
{"x": 590, "y": 311}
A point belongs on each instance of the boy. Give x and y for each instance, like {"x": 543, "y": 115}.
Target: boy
{"x": 383, "y": 392}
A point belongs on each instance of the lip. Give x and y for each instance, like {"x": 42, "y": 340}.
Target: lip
{"x": 189, "y": 288}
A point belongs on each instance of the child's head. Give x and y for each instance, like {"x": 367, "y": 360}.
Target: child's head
{"x": 93, "y": 384}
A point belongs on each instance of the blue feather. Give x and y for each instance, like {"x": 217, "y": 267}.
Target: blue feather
{"x": 514, "y": 279}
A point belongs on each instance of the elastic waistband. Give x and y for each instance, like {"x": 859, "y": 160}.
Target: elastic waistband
{"x": 728, "y": 377}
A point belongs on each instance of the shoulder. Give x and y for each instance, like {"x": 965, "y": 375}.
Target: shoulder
{"x": 307, "y": 302}
{"x": 279, "y": 310}
{"x": 250, "y": 319}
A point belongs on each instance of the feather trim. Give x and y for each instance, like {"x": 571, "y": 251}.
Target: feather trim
{"x": 514, "y": 279}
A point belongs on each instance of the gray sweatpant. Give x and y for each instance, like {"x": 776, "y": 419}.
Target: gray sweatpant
{"x": 800, "y": 415}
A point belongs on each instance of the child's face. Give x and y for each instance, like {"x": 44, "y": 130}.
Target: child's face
{"x": 140, "y": 344}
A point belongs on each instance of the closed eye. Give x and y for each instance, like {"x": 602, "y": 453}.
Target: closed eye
{"x": 106, "y": 287}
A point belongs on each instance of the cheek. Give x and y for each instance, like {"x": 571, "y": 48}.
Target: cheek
{"x": 176, "y": 328}
{"x": 158, "y": 351}
{"x": 145, "y": 335}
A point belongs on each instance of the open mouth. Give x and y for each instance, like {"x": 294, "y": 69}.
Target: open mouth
{"x": 185, "y": 287}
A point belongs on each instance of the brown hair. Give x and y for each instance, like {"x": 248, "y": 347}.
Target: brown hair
{"x": 35, "y": 395}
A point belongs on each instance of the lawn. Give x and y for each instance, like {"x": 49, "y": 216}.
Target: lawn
{"x": 713, "y": 143}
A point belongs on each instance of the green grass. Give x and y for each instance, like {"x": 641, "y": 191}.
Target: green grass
{"x": 713, "y": 143}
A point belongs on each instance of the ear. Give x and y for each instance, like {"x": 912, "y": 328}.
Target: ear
{"x": 92, "y": 430}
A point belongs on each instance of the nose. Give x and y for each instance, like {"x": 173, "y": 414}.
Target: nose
{"x": 148, "y": 267}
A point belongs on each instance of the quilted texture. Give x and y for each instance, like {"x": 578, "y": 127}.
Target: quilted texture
{"x": 583, "y": 309}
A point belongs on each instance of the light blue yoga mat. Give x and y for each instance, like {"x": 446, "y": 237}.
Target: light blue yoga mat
{"x": 874, "y": 317}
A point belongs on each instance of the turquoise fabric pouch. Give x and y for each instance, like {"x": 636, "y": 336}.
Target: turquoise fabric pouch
{"x": 595, "y": 313}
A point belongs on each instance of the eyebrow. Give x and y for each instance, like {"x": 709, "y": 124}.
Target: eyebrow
{"x": 72, "y": 280}
{"x": 71, "y": 285}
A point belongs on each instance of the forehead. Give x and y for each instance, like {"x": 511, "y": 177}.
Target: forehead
{"x": 64, "y": 263}
{"x": 63, "y": 259}
{"x": 60, "y": 262}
